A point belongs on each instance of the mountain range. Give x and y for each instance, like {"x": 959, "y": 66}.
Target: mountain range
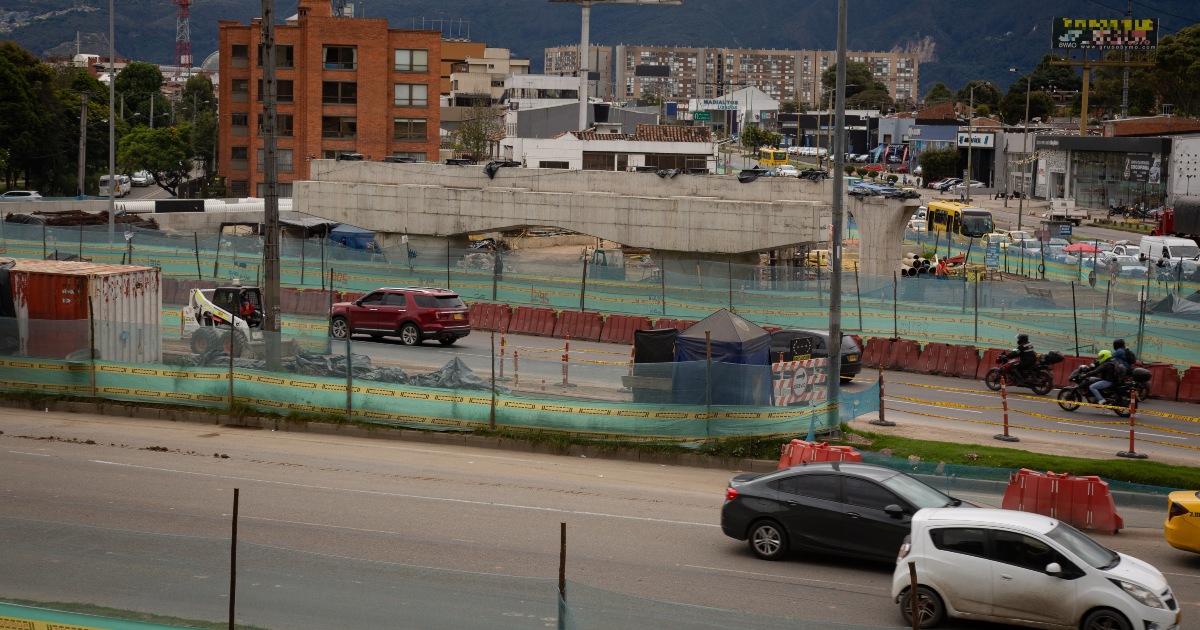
{"x": 958, "y": 41}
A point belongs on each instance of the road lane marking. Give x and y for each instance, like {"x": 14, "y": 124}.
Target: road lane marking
{"x": 1124, "y": 431}
{"x": 788, "y": 577}
{"x": 514, "y": 506}
{"x": 906, "y": 402}
{"x": 24, "y": 453}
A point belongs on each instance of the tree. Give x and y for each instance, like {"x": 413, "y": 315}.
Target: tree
{"x": 195, "y": 98}
{"x": 164, "y": 151}
{"x": 753, "y": 137}
{"x": 939, "y": 93}
{"x": 1176, "y": 74}
{"x": 34, "y": 124}
{"x": 789, "y": 107}
{"x": 985, "y": 94}
{"x": 479, "y": 131}
{"x": 1012, "y": 106}
{"x": 137, "y": 85}
{"x": 863, "y": 90}
{"x": 939, "y": 163}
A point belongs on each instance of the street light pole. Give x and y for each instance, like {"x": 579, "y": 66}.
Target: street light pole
{"x": 82, "y": 147}
{"x": 112, "y": 126}
{"x": 970, "y": 143}
{"x": 1024, "y": 148}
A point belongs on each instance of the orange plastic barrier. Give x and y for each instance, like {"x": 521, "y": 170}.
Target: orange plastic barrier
{"x": 961, "y": 361}
{"x": 530, "y": 320}
{"x": 288, "y": 300}
{"x": 1063, "y": 369}
{"x": 1164, "y": 380}
{"x": 933, "y": 358}
{"x": 798, "y": 452}
{"x": 620, "y": 328}
{"x": 988, "y": 361}
{"x": 583, "y": 326}
{"x": 170, "y": 289}
{"x": 1189, "y": 386}
{"x": 1083, "y": 502}
{"x": 904, "y": 355}
{"x": 877, "y": 350}
{"x": 678, "y": 324}
{"x": 480, "y": 314}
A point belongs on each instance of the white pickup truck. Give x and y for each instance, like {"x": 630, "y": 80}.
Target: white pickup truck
{"x": 1065, "y": 210}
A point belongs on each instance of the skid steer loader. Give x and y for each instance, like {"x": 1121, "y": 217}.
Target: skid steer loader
{"x": 214, "y": 318}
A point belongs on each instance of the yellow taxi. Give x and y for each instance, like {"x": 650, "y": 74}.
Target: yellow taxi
{"x": 1182, "y": 526}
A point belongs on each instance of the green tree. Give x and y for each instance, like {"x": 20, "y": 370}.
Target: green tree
{"x": 34, "y": 126}
{"x": 164, "y": 151}
{"x": 789, "y": 107}
{"x": 196, "y": 98}
{"x": 753, "y": 137}
{"x": 479, "y": 131}
{"x": 1176, "y": 74}
{"x": 939, "y": 93}
{"x": 863, "y": 90}
{"x": 939, "y": 163}
{"x": 137, "y": 85}
{"x": 985, "y": 94}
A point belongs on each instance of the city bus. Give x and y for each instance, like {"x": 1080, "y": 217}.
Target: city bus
{"x": 770, "y": 158}
{"x": 953, "y": 217}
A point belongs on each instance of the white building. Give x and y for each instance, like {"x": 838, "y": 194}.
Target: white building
{"x": 736, "y": 110}
{"x": 604, "y": 148}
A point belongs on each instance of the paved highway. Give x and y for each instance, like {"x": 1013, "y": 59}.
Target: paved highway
{"x": 642, "y": 529}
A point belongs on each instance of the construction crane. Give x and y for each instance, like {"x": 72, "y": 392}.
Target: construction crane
{"x": 183, "y": 38}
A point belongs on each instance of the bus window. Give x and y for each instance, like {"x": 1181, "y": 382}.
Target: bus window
{"x": 976, "y": 223}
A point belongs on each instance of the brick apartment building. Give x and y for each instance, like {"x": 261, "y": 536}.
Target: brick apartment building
{"x": 784, "y": 75}
{"x": 345, "y": 85}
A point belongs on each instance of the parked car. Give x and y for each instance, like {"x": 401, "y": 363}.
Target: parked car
{"x": 142, "y": 178}
{"x": 1028, "y": 247}
{"x": 1020, "y": 568}
{"x": 1127, "y": 266}
{"x": 845, "y": 508}
{"x": 786, "y": 170}
{"x": 795, "y": 344}
{"x": 962, "y": 187}
{"x": 1182, "y": 527}
{"x": 945, "y": 184}
{"x": 1055, "y": 246}
{"x": 21, "y": 195}
{"x": 412, "y": 313}
{"x": 918, "y": 226}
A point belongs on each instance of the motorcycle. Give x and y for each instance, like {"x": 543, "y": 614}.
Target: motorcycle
{"x": 1117, "y": 396}
{"x": 1039, "y": 378}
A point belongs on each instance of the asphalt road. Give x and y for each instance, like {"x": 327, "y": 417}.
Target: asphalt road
{"x": 642, "y": 529}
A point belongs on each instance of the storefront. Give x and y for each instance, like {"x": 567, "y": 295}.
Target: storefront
{"x": 1098, "y": 172}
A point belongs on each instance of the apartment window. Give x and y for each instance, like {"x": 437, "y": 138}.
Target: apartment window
{"x": 283, "y": 160}
{"x": 331, "y": 154}
{"x": 240, "y": 89}
{"x": 283, "y": 91}
{"x": 340, "y": 127}
{"x": 281, "y": 189}
{"x": 339, "y": 93}
{"x": 239, "y": 56}
{"x": 285, "y": 56}
{"x": 283, "y": 125}
{"x": 240, "y": 124}
{"x": 239, "y": 156}
{"x": 340, "y": 57}
{"x": 409, "y": 129}
{"x": 239, "y": 188}
{"x": 412, "y": 60}
{"x": 412, "y": 95}
{"x": 562, "y": 165}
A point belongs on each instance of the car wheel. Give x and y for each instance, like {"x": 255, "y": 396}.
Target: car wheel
{"x": 447, "y": 340}
{"x": 768, "y": 540}
{"x": 930, "y": 610}
{"x": 1105, "y": 619}
{"x": 1068, "y": 399}
{"x": 339, "y": 328}
{"x": 410, "y": 335}
{"x": 847, "y": 379}
{"x": 992, "y": 380}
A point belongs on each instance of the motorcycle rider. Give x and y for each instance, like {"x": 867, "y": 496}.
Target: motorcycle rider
{"x": 1022, "y": 358}
{"x": 1107, "y": 372}
{"x": 1124, "y": 355}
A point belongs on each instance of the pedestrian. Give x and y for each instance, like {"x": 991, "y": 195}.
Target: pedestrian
{"x": 941, "y": 271}
{"x": 962, "y": 195}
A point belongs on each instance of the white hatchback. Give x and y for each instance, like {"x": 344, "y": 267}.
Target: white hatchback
{"x": 1028, "y": 570}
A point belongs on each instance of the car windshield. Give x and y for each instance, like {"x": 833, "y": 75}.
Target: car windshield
{"x": 1186, "y": 251}
{"x": 1083, "y": 547}
{"x": 916, "y": 493}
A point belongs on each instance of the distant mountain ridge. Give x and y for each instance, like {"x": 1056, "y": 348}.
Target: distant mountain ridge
{"x": 960, "y": 41}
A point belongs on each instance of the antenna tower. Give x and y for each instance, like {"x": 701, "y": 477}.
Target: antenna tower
{"x": 183, "y": 38}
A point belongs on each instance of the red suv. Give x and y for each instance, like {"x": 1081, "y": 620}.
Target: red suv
{"x": 412, "y": 313}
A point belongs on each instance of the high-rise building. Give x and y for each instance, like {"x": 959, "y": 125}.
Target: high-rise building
{"x": 344, "y": 85}
{"x": 785, "y": 75}
{"x": 564, "y": 61}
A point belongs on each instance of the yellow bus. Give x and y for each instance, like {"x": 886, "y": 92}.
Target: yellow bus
{"x": 770, "y": 158}
{"x": 953, "y": 217}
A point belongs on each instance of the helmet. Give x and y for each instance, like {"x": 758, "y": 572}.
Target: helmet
{"x": 1022, "y": 338}
{"x": 1104, "y": 356}
{"x": 1118, "y": 344}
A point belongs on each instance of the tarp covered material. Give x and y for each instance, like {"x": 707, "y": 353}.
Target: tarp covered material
{"x": 1186, "y": 217}
{"x": 351, "y": 236}
{"x": 733, "y": 339}
{"x": 1188, "y": 307}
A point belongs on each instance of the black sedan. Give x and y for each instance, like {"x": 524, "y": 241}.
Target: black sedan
{"x": 796, "y": 344}
{"x": 844, "y": 508}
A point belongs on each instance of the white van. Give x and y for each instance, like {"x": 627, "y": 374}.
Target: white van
{"x": 1171, "y": 250}
{"x": 124, "y": 185}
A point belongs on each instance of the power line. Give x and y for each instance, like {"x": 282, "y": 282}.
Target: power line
{"x": 1160, "y": 26}
{"x": 1186, "y": 19}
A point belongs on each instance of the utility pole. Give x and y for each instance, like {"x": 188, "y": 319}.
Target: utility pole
{"x": 112, "y": 126}
{"x": 839, "y": 199}
{"x": 1087, "y": 66}
{"x": 970, "y": 143}
{"x": 1125, "y": 70}
{"x": 82, "y": 147}
{"x": 273, "y": 325}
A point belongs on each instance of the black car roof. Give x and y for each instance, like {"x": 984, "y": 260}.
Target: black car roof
{"x": 870, "y": 471}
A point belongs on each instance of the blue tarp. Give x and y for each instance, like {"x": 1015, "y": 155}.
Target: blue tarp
{"x": 740, "y": 371}
{"x": 352, "y": 237}
{"x": 733, "y": 339}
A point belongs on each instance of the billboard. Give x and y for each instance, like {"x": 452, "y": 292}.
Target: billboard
{"x": 1115, "y": 34}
